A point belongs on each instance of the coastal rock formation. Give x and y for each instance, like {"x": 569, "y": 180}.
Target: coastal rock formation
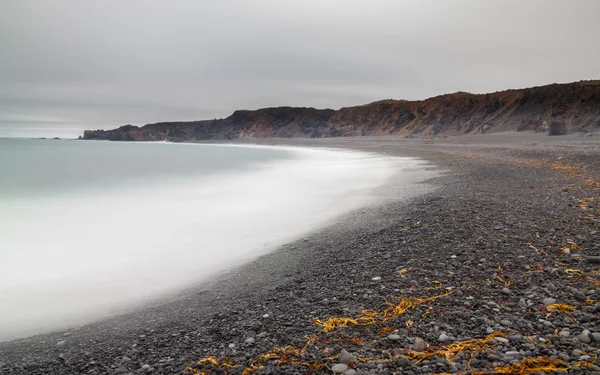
{"x": 576, "y": 106}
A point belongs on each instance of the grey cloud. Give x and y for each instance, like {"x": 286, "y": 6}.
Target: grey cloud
{"x": 103, "y": 63}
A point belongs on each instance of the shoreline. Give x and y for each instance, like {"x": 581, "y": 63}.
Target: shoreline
{"x": 458, "y": 235}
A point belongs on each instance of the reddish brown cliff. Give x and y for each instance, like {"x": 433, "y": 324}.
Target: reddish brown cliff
{"x": 570, "y": 107}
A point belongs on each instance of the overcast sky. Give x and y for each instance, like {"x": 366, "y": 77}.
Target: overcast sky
{"x": 68, "y": 65}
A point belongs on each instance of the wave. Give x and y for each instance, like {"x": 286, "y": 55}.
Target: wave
{"x": 78, "y": 257}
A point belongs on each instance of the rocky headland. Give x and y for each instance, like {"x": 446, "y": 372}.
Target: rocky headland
{"x": 557, "y": 109}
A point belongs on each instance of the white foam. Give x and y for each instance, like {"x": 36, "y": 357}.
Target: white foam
{"x": 69, "y": 259}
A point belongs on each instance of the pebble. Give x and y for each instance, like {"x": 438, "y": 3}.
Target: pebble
{"x": 548, "y": 301}
{"x": 346, "y": 357}
{"x": 350, "y": 371}
{"x": 585, "y": 338}
{"x": 506, "y": 291}
{"x": 339, "y": 368}
{"x": 506, "y": 322}
{"x": 376, "y": 278}
{"x": 403, "y": 362}
{"x": 443, "y": 338}
{"x": 394, "y": 337}
{"x": 502, "y": 340}
{"x": 514, "y": 338}
{"x": 249, "y": 340}
{"x": 419, "y": 345}
{"x": 121, "y": 370}
{"x": 60, "y": 343}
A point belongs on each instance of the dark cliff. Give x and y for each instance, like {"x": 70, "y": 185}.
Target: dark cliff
{"x": 574, "y": 106}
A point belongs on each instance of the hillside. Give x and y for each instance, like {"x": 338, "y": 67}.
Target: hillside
{"x": 571, "y": 107}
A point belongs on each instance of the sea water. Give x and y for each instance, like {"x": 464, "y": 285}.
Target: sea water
{"x": 88, "y": 227}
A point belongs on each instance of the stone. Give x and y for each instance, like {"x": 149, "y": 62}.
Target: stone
{"x": 443, "y": 338}
{"x": 350, "y": 371}
{"x": 596, "y": 336}
{"x": 145, "y": 367}
{"x": 514, "y": 338}
{"x": 394, "y": 337}
{"x": 506, "y": 291}
{"x": 249, "y": 341}
{"x": 376, "y": 278}
{"x": 419, "y": 345}
{"x": 506, "y": 322}
{"x": 403, "y": 362}
{"x": 557, "y": 128}
{"x": 585, "y": 338}
{"x": 60, "y": 343}
{"x": 345, "y": 357}
{"x": 339, "y": 368}
{"x": 502, "y": 340}
{"x": 548, "y": 301}
{"x": 121, "y": 370}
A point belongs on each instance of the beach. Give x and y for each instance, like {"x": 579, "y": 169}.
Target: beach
{"x": 483, "y": 268}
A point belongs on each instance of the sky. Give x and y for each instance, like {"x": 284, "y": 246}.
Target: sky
{"x": 70, "y": 65}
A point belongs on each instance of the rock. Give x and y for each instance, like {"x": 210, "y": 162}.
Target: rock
{"x": 121, "y": 370}
{"x": 249, "y": 341}
{"x": 579, "y": 295}
{"x": 394, "y": 337}
{"x": 506, "y": 291}
{"x": 596, "y": 336}
{"x": 551, "y": 287}
{"x": 548, "y": 301}
{"x": 419, "y": 345}
{"x": 506, "y": 322}
{"x": 514, "y": 338}
{"x": 585, "y": 338}
{"x": 376, "y": 278}
{"x": 512, "y": 353}
{"x": 231, "y": 346}
{"x": 339, "y": 368}
{"x": 597, "y": 307}
{"x": 350, "y": 371}
{"x": 591, "y": 259}
{"x": 145, "y": 367}
{"x": 60, "y": 343}
{"x": 443, "y": 338}
{"x": 557, "y": 128}
{"x": 346, "y": 357}
{"x": 502, "y": 340}
{"x": 265, "y": 316}
{"x": 403, "y": 362}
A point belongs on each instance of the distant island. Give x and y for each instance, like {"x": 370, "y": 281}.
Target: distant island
{"x": 557, "y": 109}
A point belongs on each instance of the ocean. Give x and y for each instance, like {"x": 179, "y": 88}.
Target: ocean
{"x": 88, "y": 228}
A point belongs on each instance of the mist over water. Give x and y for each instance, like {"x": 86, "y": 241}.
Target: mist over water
{"x": 90, "y": 228}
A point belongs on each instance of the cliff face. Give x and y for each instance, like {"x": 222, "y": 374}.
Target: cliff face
{"x": 574, "y": 106}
